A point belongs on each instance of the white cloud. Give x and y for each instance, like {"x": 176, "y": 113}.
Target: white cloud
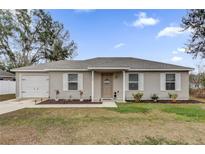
{"x": 176, "y": 59}
{"x": 181, "y": 49}
{"x": 171, "y": 32}
{"x": 178, "y": 51}
{"x": 119, "y": 45}
{"x": 174, "y": 52}
{"x": 144, "y": 20}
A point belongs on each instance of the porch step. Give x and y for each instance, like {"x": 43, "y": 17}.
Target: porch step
{"x": 106, "y": 99}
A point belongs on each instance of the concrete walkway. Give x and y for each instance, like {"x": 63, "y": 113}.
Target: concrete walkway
{"x": 14, "y": 104}
{"x": 104, "y": 104}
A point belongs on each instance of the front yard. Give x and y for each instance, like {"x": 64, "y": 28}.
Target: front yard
{"x": 128, "y": 124}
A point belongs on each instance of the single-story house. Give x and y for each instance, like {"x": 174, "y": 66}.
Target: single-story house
{"x": 6, "y": 76}
{"x": 102, "y": 78}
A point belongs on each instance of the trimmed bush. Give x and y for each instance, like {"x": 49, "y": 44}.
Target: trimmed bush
{"x": 137, "y": 97}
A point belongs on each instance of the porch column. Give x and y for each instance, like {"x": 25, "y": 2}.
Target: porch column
{"x": 92, "y": 96}
{"x": 123, "y": 86}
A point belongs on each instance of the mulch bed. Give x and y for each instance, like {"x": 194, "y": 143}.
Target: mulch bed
{"x": 170, "y": 102}
{"x": 64, "y": 101}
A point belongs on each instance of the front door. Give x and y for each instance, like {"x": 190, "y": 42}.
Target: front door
{"x": 107, "y": 85}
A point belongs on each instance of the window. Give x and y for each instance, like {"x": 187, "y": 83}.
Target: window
{"x": 133, "y": 81}
{"x": 72, "y": 81}
{"x": 170, "y": 81}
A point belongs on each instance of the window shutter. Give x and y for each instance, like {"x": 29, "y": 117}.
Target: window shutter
{"x": 178, "y": 81}
{"x": 65, "y": 81}
{"x": 126, "y": 81}
{"x": 80, "y": 81}
{"x": 162, "y": 81}
{"x": 141, "y": 81}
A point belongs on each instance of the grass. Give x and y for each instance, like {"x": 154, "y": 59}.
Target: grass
{"x": 192, "y": 113}
{"x": 7, "y": 97}
{"x": 148, "y": 140}
{"x": 130, "y": 123}
{"x": 188, "y": 111}
{"x": 132, "y": 108}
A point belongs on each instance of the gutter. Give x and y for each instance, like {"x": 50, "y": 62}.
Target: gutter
{"x": 49, "y": 70}
{"x": 101, "y": 68}
{"x": 188, "y": 69}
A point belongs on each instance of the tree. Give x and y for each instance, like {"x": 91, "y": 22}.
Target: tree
{"x": 32, "y": 36}
{"x": 195, "y": 22}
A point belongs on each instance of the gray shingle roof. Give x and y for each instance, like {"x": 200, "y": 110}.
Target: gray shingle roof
{"x": 132, "y": 63}
{"x": 6, "y": 74}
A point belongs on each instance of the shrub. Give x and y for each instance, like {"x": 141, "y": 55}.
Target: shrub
{"x": 154, "y": 97}
{"x": 137, "y": 97}
{"x": 173, "y": 96}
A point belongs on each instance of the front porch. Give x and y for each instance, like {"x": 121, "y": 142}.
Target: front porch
{"x": 108, "y": 84}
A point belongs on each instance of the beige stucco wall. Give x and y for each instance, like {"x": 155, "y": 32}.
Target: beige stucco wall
{"x": 56, "y": 83}
{"x": 97, "y": 86}
{"x": 117, "y": 84}
{"x": 17, "y": 85}
{"x": 151, "y": 85}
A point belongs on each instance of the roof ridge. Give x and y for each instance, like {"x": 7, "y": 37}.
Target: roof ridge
{"x": 132, "y": 62}
{"x": 139, "y": 59}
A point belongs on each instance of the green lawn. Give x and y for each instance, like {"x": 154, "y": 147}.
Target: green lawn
{"x": 189, "y": 112}
{"x": 7, "y": 97}
{"x": 130, "y": 123}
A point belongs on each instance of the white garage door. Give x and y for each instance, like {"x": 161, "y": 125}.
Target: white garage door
{"x": 35, "y": 86}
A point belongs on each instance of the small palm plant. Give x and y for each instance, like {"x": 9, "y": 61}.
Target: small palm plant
{"x": 154, "y": 97}
{"x": 173, "y": 96}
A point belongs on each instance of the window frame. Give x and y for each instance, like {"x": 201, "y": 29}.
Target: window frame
{"x": 133, "y": 82}
{"x": 72, "y": 81}
{"x": 170, "y": 81}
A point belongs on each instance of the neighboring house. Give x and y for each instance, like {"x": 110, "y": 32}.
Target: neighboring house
{"x": 195, "y": 85}
{"x": 7, "y": 83}
{"x": 6, "y": 76}
{"x": 102, "y": 78}
{"x": 196, "y": 81}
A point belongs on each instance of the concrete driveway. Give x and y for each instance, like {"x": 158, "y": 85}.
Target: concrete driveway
{"x": 14, "y": 104}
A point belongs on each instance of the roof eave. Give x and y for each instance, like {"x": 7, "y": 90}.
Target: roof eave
{"x": 181, "y": 69}
{"x": 48, "y": 70}
{"x": 102, "y": 68}
{"x": 7, "y": 76}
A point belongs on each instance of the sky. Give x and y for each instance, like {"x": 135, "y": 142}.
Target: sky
{"x": 148, "y": 34}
